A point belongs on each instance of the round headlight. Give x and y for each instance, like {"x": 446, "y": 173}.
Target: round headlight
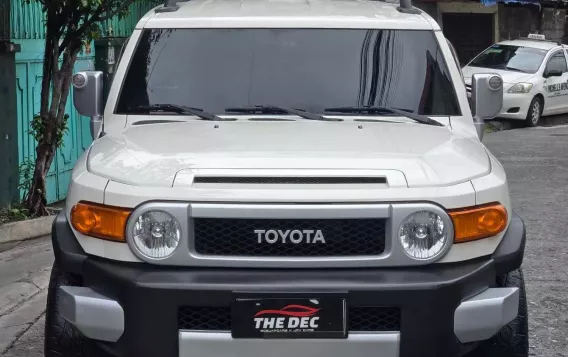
{"x": 423, "y": 235}
{"x": 156, "y": 234}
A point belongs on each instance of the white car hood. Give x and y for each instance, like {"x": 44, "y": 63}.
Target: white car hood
{"x": 152, "y": 155}
{"x": 509, "y": 77}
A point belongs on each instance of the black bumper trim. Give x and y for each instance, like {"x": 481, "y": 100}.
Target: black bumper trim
{"x": 509, "y": 254}
{"x": 151, "y": 295}
{"x": 69, "y": 254}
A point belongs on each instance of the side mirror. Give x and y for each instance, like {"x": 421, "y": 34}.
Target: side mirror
{"x": 486, "y": 99}
{"x": 88, "y": 97}
{"x": 552, "y": 73}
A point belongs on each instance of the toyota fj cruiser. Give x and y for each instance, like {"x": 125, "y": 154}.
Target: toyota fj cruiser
{"x": 287, "y": 178}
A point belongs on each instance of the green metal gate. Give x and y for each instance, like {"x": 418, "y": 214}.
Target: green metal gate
{"x": 28, "y": 30}
{"x": 29, "y": 64}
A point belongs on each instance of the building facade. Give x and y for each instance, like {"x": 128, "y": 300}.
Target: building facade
{"x": 472, "y": 26}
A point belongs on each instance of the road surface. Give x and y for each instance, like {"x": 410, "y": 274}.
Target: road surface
{"x": 536, "y": 161}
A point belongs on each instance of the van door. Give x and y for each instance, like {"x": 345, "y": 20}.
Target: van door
{"x": 556, "y": 87}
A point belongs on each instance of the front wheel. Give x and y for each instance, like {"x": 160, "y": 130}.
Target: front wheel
{"x": 513, "y": 339}
{"x": 535, "y": 112}
{"x": 61, "y": 338}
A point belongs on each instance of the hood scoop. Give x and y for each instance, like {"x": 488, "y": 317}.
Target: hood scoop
{"x": 289, "y": 178}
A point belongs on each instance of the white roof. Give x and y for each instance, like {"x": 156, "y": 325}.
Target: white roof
{"x": 287, "y": 14}
{"x": 544, "y": 45}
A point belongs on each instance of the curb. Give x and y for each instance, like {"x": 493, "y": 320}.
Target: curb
{"x": 24, "y": 230}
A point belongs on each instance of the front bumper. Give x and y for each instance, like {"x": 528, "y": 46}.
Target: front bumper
{"x": 515, "y": 106}
{"x": 441, "y": 306}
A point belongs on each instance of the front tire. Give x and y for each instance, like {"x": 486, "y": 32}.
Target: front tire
{"x": 535, "y": 112}
{"x": 61, "y": 338}
{"x": 513, "y": 339}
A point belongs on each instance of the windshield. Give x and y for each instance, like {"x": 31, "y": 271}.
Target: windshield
{"x": 306, "y": 69}
{"x": 513, "y": 58}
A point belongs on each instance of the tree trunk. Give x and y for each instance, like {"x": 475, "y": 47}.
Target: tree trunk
{"x": 36, "y": 202}
{"x": 53, "y": 121}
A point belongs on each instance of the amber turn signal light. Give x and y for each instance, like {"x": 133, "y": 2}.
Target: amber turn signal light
{"x": 100, "y": 221}
{"x": 478, "y": 222}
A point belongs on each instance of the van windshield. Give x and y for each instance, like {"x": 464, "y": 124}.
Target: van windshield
{"x": 307, "y": 69}
{"x": 512, "y": 58}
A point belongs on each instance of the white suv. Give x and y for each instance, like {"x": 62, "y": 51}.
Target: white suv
{"x": 287, "y": 178}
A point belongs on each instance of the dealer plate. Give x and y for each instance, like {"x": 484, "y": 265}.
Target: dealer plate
{"x": 289, "y": 318}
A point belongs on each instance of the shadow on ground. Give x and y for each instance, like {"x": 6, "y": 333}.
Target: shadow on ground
{"x": 504, "y": 124}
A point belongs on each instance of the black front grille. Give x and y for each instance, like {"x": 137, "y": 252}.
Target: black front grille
{"x": 237, "y": 237}
{"x": 360, "y": 318}
{"x": 372, "y": 318}
{"x": 204, "y": 318}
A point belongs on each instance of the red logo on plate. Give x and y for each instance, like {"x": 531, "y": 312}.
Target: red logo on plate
{"x": 291, "y": 310}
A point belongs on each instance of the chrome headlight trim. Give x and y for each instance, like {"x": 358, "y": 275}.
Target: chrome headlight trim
{"x": 444, "y": 237}
{"x": 176, "y": 210}
{"x": 403, "y": 211}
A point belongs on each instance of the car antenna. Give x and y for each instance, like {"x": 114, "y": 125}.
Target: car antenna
{"x": 169, "y": 6}
{"x": 406, "y": 7}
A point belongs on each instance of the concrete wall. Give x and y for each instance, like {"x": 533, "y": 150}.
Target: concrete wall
{"x": 517, "y": 21}
{"x": 553, "y": 23}
{"x": 511, "y": 21}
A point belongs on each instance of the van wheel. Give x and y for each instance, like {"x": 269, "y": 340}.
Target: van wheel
{"x": 61, "y": 338}
{"x": 513, "y": 339}
{"x": 535, "y": 112}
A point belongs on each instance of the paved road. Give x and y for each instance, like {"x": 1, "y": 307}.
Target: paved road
{"x": 536, "y": 161}
{"x": 24, "y": 275}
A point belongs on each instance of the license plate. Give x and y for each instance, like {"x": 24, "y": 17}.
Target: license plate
{"x": 289, "y": 318}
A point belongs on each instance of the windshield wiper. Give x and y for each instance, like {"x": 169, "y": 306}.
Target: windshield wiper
{"x": 385, "y": 110}
{"x": 179, "y": 109}
{"x": 275, "y": 109}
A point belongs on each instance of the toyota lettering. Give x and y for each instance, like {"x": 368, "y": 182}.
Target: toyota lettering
{"x": 296, "y": 236}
